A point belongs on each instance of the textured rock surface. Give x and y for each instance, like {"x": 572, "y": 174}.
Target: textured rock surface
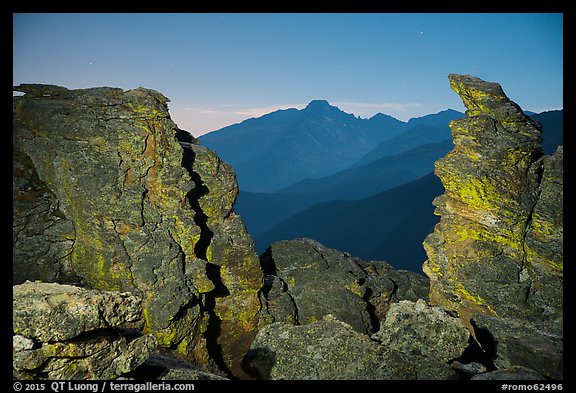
{"x": 496, "y": 256}
{"x": 325, "y": 349}
{"x": 415, "y": 328}
{"x": 54, "y": 312}
{"x": 513, "y": 342}
{"x": 106, "y": 197}
{"x": 65, "y": 332}
{"x": 497, "y": 248}
{"x": 429, "y": 335}
{"x": 306, "y": 281}
{"x": 510, "y": 374}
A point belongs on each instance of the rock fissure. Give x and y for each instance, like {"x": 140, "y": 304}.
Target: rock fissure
{"x": 113, "y": 162}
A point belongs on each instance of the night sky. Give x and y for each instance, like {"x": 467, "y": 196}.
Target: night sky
{"x": 219, "y": 69}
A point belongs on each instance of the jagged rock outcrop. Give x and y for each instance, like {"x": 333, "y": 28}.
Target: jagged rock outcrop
{"x": 109, "y": 194}
{"x": 305, "y": 281}
{"x": 325, "y": 349}
{"x": 497, "y": 250}
{"x": 66, "y": 332}
{"x": 310, "y": 292}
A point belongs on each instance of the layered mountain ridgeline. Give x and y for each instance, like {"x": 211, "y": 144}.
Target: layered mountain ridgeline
{"x": 281, "y": 148}
{"x": 262, "y": 211}
{"x": 111, "y": 197}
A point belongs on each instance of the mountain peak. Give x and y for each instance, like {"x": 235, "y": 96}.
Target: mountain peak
{"x": 318, "y": 105}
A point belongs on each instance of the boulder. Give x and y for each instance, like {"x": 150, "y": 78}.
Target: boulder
{"x": 66, "y": 332}
{"x": 514, "y": 373}
{"x": 512, "y": 342}
{"x": 305, "y": 281}
{"x": 53, "y": 312}
{"x": 109, "y": 194}
{"x": 324, "y": 349}
{"x": 429, "y": 336}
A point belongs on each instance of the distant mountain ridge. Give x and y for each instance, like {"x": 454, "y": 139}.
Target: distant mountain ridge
{"x": 417, "y": 132}
{"x": 283, "y": 147}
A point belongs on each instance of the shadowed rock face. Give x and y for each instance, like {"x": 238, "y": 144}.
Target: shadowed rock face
{"x": 109, "y": 194}
{"x": 497, "y": 250}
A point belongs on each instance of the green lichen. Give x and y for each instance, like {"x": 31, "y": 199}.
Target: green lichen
{"x": 476, "y": 300}
{"x": 477, "y": 101}
{"x": 474, "y": 192}
{"x": 147, "y": 112}
{"x": 355, "y": 288}
{"x": 504, "y": 239}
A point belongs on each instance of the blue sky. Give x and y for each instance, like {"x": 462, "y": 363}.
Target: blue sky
{"x": 219, "y": 69}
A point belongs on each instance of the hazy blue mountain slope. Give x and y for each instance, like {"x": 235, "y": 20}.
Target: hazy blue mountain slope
{"x": 552, "y": 129}
{"x": 263, "y": 210}
{"x": 387, "y": 226}
{"x": 376, "y": 176}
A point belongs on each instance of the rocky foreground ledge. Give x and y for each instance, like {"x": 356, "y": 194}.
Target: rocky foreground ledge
{"x": 67, "y": 332}
{"x": 130, "y": 262}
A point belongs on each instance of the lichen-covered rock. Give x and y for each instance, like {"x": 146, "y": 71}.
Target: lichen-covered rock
{"x": 544, "y": 242}
{"x": 416, "y": 328}
{"x": 497, "y": 249}
{"x": 428, "y": 335}
{"x": 110, "y": 194}
{"x": 306, "y": 281}
{"x": 66, "y": 332}
{"x": 55, "y": 312}
{"x": 496, "y": 256}
{"x": 513, "y": 342}
{"x": 325, "y": 349}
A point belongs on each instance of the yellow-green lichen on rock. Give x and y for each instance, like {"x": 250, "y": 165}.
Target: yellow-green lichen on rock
{"x": 497, "y": 249}
{"x": 143, "y": 208}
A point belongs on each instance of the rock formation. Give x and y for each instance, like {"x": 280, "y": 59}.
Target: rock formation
{"x": 305, "y": 281}
{"x": 320, "y": 307}
{"x": 497, "y": 250}
{"x": 66, "y": 332}
{"x": 109, "y": 194}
